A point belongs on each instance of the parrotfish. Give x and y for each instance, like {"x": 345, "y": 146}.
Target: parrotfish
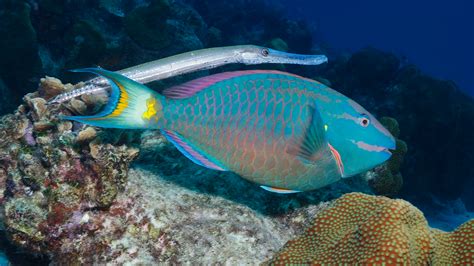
{"x": 284, "y": 132}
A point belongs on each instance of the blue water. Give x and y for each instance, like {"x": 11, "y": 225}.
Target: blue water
{"x": 3, "y": 259}
{"x": 438, "y": 36}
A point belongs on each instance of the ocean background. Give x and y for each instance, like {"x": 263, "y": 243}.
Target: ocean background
{"x": 410, "y": 60}
{"x": 435, "y": 35}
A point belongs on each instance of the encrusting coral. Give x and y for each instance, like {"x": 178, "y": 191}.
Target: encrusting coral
{"x": 364, "y": 229}
{"x": 456, "y": 248}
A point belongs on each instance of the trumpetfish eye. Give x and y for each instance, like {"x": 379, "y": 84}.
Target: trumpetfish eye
{"x": 265, "y": 52}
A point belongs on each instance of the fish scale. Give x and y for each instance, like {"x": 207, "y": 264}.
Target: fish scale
{"x": 247, "y": 123}
{"x": 285, "y": 132}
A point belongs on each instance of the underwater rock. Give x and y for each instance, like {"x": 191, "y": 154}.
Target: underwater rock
{"x": 20, "y": 63}
{"x": 5, "y": 98}
{"x": 45, "y": 177}
{"x": 391, "y": 124}
{"x": 86, "y": 135}
{"x": 442, "y": 168}
{"x": 435, "y": 119}
{"x": 143, "y": 24}
{"x": 363, "y": 229}
{"x": 156, "y": 30}
{"x": 77, "y": 106}
{"x": 50, "y": 87}
{"x": 38, "y": 107}
{"x": 372, "y": 69}
{"x": 88, "y": 45}
{"x": 262, "y": 21}
{"x": 278, "y": 44}
{"x": 214, "y": 37}
{"x": 386, "y": 179}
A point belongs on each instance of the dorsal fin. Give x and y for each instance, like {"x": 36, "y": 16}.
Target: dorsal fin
{"x": 313, "y": 141}
{"x": 191, "y": 152}
{"x": 190, "y": 88}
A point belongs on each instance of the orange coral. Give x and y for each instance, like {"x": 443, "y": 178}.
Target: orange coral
{"x": 364, "y": 229}
{"x": 456, "y": 248}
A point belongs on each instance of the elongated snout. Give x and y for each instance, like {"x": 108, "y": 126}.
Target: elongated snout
{"x": 275, "y": 56}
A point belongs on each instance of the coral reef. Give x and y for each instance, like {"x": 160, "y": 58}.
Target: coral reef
{"x": 53, "y": 170}
{"x": 386, "y": 179}
{"x": 147, "y": 25}
{"x": 371, "y": 69}
{"x": 456, "y": 248}
{"x": 363, "y": 229}
{"x": 88, "y": 45}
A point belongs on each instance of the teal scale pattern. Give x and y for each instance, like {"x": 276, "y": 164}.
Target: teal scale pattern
{"x": 250, "y": 123}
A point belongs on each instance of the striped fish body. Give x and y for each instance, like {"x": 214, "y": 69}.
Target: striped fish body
{"x": 252, "y": 123}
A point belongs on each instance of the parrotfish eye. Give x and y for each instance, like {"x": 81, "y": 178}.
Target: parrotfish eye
{"x": 265, "y": 52}
{"x": 364, "y": 120}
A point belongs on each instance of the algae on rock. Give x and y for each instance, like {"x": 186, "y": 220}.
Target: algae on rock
{"x": 48, "y": 174}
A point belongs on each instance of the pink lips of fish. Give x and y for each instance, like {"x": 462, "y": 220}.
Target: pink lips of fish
{"x": 370, "y": 147}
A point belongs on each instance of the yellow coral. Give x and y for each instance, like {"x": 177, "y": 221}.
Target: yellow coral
{"x": 363, "y": 229}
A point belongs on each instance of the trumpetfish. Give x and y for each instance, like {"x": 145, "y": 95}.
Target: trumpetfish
{"x": 195, "y": 61}
{"x": 284, "y": 132}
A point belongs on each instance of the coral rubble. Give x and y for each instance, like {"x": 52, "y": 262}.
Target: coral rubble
{"x": 363, "y": 229}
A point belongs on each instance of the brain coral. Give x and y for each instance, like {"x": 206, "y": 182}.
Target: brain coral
{"x": 456, "y": 248}
{"x": 363, "y": 229}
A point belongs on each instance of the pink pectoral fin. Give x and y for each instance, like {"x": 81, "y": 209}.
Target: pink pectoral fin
{"x": 191, "y": 152}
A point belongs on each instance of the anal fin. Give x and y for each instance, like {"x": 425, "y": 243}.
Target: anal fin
{"x": 191, "y": 152}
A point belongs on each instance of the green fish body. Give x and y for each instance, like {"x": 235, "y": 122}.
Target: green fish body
{"x": 282, "y": 131}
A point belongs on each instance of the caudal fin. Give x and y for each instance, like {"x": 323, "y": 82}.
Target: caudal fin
{"x": 130, "y": 105}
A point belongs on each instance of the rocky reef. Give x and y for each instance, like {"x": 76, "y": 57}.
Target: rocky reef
{"x": 363, "y": 229}
{"x": 53, "y": 172}
{"x": 387, "y": 179}
{"x": 66, "y": 189}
